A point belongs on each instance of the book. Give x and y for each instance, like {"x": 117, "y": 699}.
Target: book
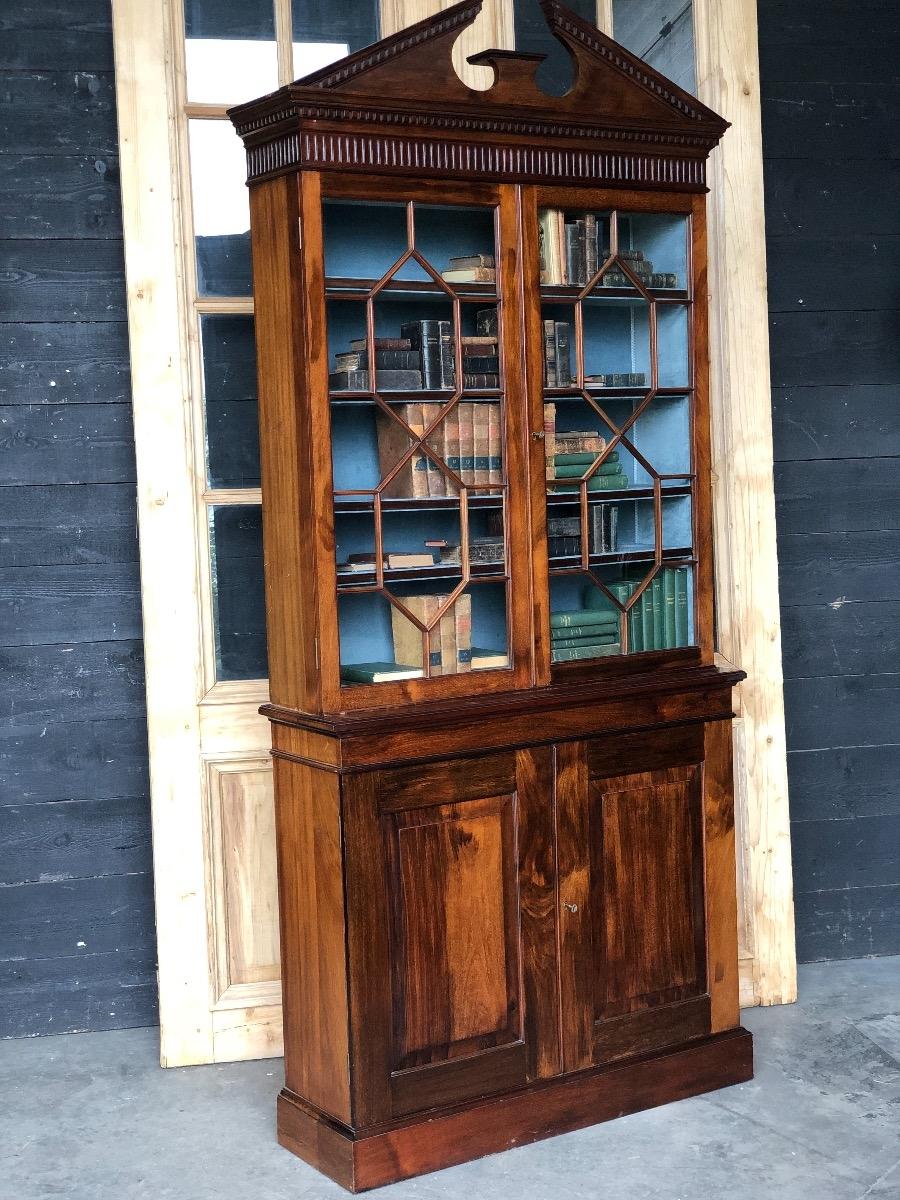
{"x": 477, "y": 343}
{"x": 450, "y": 447}
{"x": 618, "y": 380}
{"x": 585, "y": 642}
{"x": 560, "y": 235}
{"x": 567, "y": 618}
{"x": 588, "y": 633}
{"x": 575, "y": 457}
{"x": 486, "y": 322}
{"x": 483, "y": 658}
{"x": 481, "y": 550}
{"x": 481, "y": 444}
{"x": 550, "y": 378}
{"x": 392, "y": 560}
{"x": 433, "y": 340}
{"x": 462, "y": 614}
{"x": 460, "y": 262}
{"x": 574, "y": 653}
{"x": 563, "y": 546}
{"x": 381, "y": 343}
{"x": 377, "y": 672}
{"x": 656, "y": 601}
{"x": 484, "y": 364}
{"x": 569, "y": 442}
{"x": 682, "y": 614}
{"x": 435, "y": 478}
{"x": 597, "y": 483}
{"x": 591, "y": 263}
{"x": 393, "y": 360}
{"x": 470, "y": 275}
{"x": 567, "y": 470}
{"x": 574, "y": 249}
{"x": 495, "y": 444}
{"x": 393, "y": 443}
{"x": 479, "y": 381}
{"x": 645, "y": 607}
{"x": 550, "y": 438}
{"x": 564, "y": 527}
{"x": 387, "y": 381}
{"x": 408, "y": 638}
{"x": 548, "y": 243}
{"x": 447, "y": 635}
{"x": 668, "y": 588}
{"x": 466, "y": 441}
{"x": 563, "y": 356}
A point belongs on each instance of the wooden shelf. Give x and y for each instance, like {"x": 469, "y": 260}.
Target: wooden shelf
{"x": 477, "y": 395}
{"x": 572, "y": 392}
{"x": 557, "y": 499}
{"x": 351, "y": 504}
{"x": 555, "y": 293}
{"x": 360, "y": 289}
{"x": 478, "y": 572}
{"x": 683, "y": 554}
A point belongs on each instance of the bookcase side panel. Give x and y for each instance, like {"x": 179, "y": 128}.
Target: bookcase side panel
{"x": 285, "y": 439}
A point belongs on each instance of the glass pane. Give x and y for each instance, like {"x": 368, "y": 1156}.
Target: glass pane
{"x": 239, "y": 613}
{"x": 324, "y": 31}
{"x": 229, "y": 394}
{"x": 419, "y": 471}
{"x": 230, "y": 50}
{"x": 661, "y": 32}
{"x": 617, "y": 433}
{"x": 221, "y": 209}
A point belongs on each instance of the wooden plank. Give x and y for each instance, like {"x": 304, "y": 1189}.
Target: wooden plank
{"x": 830, "y": 855}
{"x": 87, "y": 682}
{"x": 63, "y": 279}
{"x": 81, "y": 760}
{"x": 69, "y": 525}
{"x": 577, "y": 964}
{"x": 79, "y": 443}
{"x": 78, "y": 994}
{"x": 853, "y": 781}
{"x": 804, "y": 272}
{"x": 808, "y": 195}
{"x": 74, "y": 839}
{"x": 77, "y": 917}
{"x": 50, "y": 196}
{"x": 493, "y": 28}
{"x": 171, "y": 570}
{"x": 855, "y": 710}
{"x": 849, "y": 923}
{"x": 838, "y": 496}
{"x": 831, "y": 121}
{"x": 65, "y": 363}
{"x": 853, "y": 638}
{"x": 829, "y": 568}
{"x": 743, "y": 498}
{"x": 825, "y": 421}
{"x": 874, "y": 59}
{"x": 835, "y": 348}
{"x": 721, "y": 869}
{"x": 311, "y": 896}
{"x": 58, "y": 112}
{"x": 840, "y": 22}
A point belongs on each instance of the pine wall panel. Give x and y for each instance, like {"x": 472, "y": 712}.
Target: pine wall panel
{"x": 831, "y": 115}
{"x": 77, "y": 948}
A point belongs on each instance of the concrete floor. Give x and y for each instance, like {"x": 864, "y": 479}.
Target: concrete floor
{"x": 92, "y": 1117}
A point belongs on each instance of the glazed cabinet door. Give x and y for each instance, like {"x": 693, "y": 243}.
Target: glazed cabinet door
{"x": 630, "y": 814}
{"x": 451, "y": 927}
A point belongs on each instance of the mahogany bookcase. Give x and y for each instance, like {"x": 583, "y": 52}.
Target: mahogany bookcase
{"x": 501, "y": 738}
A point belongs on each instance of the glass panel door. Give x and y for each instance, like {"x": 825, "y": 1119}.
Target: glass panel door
{"x": 417, "y": 394}
{"x": 616, "y": 345}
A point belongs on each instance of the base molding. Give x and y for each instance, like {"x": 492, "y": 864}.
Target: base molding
{"x": 446, "y": 1137}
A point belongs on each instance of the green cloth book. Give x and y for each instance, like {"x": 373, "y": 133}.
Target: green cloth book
{"x": 682, "y": 616}
{"x": 592, "y": 640}
{"x": 587, "y": 631}
{"x": 656, "y": 599}
{"x": 597, "y": 483}
{"x": 646, "y": 607}
{"x": 583, "y": 456}
{"x": 594, "y": 650}
{"x": 582, "y": 616}
{"x": 576, "y": 470}
{"x": 377, "y": 672}
{"x": 669, "y": 585}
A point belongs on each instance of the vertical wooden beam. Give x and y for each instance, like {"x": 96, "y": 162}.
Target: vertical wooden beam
{"x": 744, "y": 498}
{"x": 605, "y": 16}
{"x": 166, "y": 489}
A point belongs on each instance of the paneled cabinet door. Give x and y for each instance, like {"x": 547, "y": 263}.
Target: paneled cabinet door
{"x": 631, "y": 873}
{"x": 451, "y": 927}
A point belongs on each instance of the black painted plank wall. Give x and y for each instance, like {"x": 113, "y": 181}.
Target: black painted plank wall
{"x": 77, "y": 946}
{"x": 831, "y": 140}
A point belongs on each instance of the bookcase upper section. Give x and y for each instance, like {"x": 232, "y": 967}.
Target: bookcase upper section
{"x": 398, "y": 107}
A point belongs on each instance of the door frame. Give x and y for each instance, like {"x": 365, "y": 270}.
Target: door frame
{"x": 192, "y": 725}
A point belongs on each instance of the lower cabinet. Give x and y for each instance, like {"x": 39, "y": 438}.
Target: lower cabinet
{"x": 523, "y": 914}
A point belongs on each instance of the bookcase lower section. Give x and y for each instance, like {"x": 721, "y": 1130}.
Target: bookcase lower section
{"x": 363, "y": 1159}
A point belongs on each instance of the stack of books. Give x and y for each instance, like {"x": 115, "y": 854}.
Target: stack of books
{"x": 557, "y": 354}
{"x": 659, "y": 620}
{"x": 564, "y": 533}
{"x": 487, "y": 549}
{"x": 571, "y": 253}
{"x": 619, "y": 379}
{"x": 393, "y": 560}
{"x": 566, "y": 470}
{"x": 397, "y": 366}
{"x": 471, "y": 268}
{"x": 584, "y": 633}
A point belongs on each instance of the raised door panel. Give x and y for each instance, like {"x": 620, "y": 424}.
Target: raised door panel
{"x": 450, "y": 899}
{"x": 633, "y": 937}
